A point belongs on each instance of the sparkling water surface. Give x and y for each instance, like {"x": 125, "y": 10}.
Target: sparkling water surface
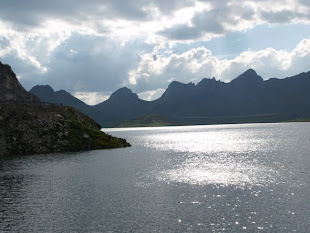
{"x": 224, "y": 178}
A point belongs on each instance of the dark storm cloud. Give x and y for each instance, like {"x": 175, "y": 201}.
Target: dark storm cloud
{"x": 305, "y": 2}
{"x": 86, "y": 63}
{"x": 182, "y": 32}
{"x": 204, "y": 22}
{"x": 216, "y": 22}
{"x": 167, "y": 7}
{"x": 32, "y": 13}
{"x": 284, "y": 16}
{"x": 226, "y": 16}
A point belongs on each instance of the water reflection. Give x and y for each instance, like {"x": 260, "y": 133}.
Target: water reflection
{"x": 209, "y": 141}
{"x": 226, "y": 156}
{"x": 204, "y": 170}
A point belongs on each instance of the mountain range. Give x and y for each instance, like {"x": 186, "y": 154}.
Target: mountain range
{"x": 247, "y": 98}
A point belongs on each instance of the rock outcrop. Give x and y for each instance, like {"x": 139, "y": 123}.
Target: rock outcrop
{"x": 38, "y": 129}
{"x": 29, "y": 127}
{"x": 10, "y": 88}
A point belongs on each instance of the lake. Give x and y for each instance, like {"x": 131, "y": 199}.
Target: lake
{"x": 223, "y": 178}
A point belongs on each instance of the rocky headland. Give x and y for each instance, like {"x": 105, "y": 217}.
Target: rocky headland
{"x": 28, "y": 126}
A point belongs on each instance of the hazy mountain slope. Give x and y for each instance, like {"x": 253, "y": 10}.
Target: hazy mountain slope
{"x": 122, "y": 105}
{"x": 47, "y": 94}
{"x": 62, "y": 97}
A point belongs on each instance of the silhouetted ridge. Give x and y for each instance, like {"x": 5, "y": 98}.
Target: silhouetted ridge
{"x": 248, "y": 76}
{"x": 42, "y": 88}
{"x": 179, "y": 85}
{"x": 62, "y": 97}
{"x": 47, "y": 94}
{"x": 248, "y": 98}
{"x": 208, "y": 84}
{"x": 249, "y": 73}
{"x": 177, "y": 89}
{"x": 249, "y": 81}
{"x": 124, "y": 93}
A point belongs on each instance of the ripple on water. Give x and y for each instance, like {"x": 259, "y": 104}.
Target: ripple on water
{"x": 219, "y": 155}
{"x": 220, "y": 170}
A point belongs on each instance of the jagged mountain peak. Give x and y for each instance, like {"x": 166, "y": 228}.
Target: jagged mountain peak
{"x": 207, "y": 81}
{"x": 124, "y": 93}
{"x": 63, "y": 92}
{"x": 42, "y": 88}
{"x": 47, "y": 94}
{"x": 176, "y": 89}
{"x": 248, "y": 80}
{"x": 47, "y": 89}
{"x": 177, "y": 84}
{"x": 250, "y": 74}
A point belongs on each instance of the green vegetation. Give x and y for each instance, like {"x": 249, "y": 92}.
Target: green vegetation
{"x": 39, "y": 129}
{"x": 152, "y": 120}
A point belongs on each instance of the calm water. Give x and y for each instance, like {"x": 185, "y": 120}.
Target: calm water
{"x": 226, "y": 178}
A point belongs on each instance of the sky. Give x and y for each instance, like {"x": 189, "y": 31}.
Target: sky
{"x": 92, "y": 48}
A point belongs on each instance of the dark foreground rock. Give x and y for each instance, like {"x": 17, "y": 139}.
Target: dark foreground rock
{"x": 38, "y": 129}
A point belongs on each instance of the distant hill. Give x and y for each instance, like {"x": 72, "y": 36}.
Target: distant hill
{"x": 122, "y": 105}
{"x": 48, "y": 95}
{"x": 62, "y": 97}
{"x": 248, "y": 98}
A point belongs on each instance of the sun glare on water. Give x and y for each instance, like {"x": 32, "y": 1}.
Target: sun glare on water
{"x": 220, "y": 157}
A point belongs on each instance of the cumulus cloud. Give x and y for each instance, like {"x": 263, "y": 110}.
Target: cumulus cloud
{"x": 97, "y": 14}
{"x": 227, "y": 16}
{"x": 86, "y": 64}
{"x": 208, "y": 23}
{"x": 198, "y": 63}
{"x": 284, "y": 16}
{"x": 151, "y": 95}
{"x": 179, "y": 20}
{"x": 32, "y": 13}
{"x": 91, "y": 98}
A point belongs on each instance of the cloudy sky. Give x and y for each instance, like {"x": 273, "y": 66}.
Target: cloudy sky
{"x": 92, "y": 48}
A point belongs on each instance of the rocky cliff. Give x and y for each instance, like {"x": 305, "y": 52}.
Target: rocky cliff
{"x": 10, "y": 88}
{"x": 36, "y": 129}
{"x": 29, "y": 127}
